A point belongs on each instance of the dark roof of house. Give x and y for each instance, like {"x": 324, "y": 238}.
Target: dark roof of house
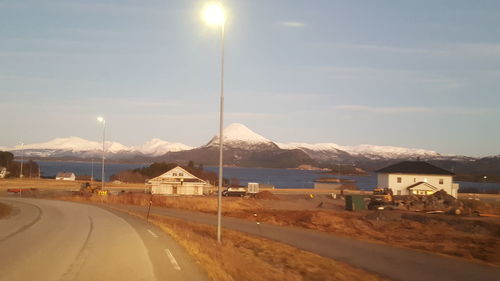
{"x": 414, "y": 167}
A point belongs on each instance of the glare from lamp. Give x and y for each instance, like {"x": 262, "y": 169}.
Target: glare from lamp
{"x": 214, "y": 14}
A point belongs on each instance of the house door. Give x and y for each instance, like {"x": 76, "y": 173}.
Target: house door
{"x": 174, "y": 189}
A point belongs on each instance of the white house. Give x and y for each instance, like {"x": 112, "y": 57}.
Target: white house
{"x": 177, "y": 181}
{"x": 416, "y": 177}
{"x": 66, "y": 176}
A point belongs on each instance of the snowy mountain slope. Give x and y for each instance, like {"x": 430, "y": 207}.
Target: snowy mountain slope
{"x": 156, "y": 147}
{"x": 242, "y": 145}
{"x": 79, "y": 147}
{"x": 239, "y": 136}
{"x": 363, "y": 150}
{"x": 75, "y": 144}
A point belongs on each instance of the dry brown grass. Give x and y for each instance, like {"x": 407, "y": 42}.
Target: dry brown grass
{"x": 52, "y": 184}
{"x": 243, "y": 257}
{"x": 472, "y": 239}
{"x": 191, "y": 203}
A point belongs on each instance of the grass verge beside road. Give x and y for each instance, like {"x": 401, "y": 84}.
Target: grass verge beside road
{"x": 244, "y": 257}
{"x": 471, "y": 238}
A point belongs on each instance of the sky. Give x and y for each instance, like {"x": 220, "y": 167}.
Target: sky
{"x": 419, "y": 74}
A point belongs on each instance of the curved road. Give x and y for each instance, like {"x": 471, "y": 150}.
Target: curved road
{"x": 56, "y": 240}
{"x": 392, "y": 262}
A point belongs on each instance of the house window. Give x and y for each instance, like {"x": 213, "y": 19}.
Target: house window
{"x": 441, "y": 181}
{"x": 181, "y": 174}
{"x": 174, "y": 174}
{"x": 399, "y": 179}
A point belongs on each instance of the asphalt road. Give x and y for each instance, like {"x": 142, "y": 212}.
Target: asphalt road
{"x": 56, "y": 240}
{"x": 394, "y": 263}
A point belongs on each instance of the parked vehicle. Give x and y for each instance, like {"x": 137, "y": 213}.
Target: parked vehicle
{"x": 235, "y": 191}
{"x": 381, "y": 198}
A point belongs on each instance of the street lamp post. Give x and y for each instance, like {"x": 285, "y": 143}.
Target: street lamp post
{"x": 21, "y": 170}
{"x": 101, "y": 120}
{"x": 214, "y": 15}
{"x": 92, "y": 173}
{"x": 22, "y": 160}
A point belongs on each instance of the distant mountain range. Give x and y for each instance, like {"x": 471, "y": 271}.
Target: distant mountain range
{"x": 243, "y": 148}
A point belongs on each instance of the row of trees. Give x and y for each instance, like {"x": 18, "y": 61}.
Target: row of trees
{"x": 30, "y": 167}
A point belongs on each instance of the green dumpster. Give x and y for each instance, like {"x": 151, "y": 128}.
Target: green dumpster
{"x": 355, "y": 202}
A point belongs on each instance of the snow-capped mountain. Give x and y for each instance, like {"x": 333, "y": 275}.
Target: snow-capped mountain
{"x": 242, "y": 146}
{"x": 79, "y": 147}
{"x": 156, "y": 147}
{"x": 239, "y": 136}
{"x": 363, "y": 150}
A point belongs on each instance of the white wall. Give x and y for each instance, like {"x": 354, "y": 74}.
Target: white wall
{"x": 401, "y": 188}
{"x": 184, "y": 189}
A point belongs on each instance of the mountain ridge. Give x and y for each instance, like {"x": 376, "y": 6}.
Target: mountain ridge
{"x": 242, "y": 146}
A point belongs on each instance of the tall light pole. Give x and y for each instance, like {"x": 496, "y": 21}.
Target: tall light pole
{"x": 214, "y": 14}
{"x": 22, "y": 160}
{"x": 101, "y": 120}
{"x": 92, "y": 173}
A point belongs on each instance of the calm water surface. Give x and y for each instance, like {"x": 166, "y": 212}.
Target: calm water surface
{"x": 280, "y": 178}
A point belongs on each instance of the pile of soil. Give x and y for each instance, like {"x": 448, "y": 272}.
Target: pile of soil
{"x": 266, "y": 195}
{"x": 438, "y": 201}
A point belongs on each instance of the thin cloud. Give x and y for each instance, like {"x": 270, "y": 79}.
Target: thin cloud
{"x": 254, "y": 115}
{"x": 294, "y": 24}
{"x": 444, "y": 83}
{"x": 374, "y": 109}
{"x": 416, "y": 109}
{"x": 476, "y": 50}
{"x": 393, "y": 49}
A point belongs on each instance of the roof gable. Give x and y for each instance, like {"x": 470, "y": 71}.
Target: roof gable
{"x": 177, "y": 173}
{"x": 422, "y": 186}
{"x": 414, "y": 167}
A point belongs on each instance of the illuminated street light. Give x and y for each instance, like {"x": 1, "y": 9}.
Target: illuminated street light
{"x": 101, "y": 120}
{"x": 213, "y": 14}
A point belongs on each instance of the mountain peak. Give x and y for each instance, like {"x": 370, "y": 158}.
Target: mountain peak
{"x": 237, "y": 133}
{"x": 240, "y": 132}
{"x": 158, "y": 147}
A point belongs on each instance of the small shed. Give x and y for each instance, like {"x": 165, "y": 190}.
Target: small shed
{"x": 177, "y": 181}
{"x": 65, "y": 176}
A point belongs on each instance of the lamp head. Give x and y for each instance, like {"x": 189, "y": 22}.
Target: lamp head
{"x": 100, "y": 119}
{"x": 214, "y": 14}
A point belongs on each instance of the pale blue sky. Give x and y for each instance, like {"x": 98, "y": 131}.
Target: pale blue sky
{"x": 423, "y": 74}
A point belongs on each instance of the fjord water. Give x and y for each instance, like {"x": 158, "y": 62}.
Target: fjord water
{"x": 280, "y": 178}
